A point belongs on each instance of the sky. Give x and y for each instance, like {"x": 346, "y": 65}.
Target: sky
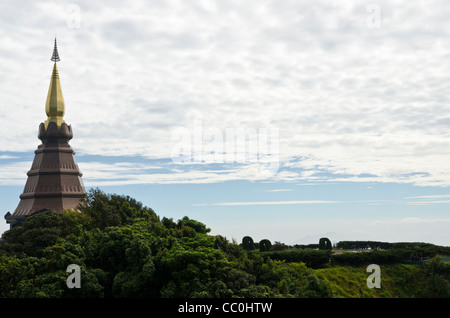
{"x": 281, "y": 120}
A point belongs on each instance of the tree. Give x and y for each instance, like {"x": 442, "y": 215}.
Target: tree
{"x": 38, "y": 232}
{"x": 124, "y": 250}
{"x": 136, "y": 280}
{"x": 196, "y": 225}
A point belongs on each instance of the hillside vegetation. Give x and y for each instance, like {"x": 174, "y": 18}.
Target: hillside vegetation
{"x": 125, "y": 250}
{"x": 397, "y": 281}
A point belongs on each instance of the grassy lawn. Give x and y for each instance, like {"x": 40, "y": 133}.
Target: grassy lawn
{"x": 397, "y": 280}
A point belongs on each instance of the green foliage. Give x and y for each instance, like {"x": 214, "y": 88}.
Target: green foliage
{"x": 397, "y": 281}
{"x": 438, "y": 274}
{"x": 125, "y": 250}
{"x": 390, "y": 256}
{"x": 366, "y": 258}
{"x": 312, "y": 246}
{"x": 14, "y": 270}
{"x": 430, "y": 249}
{"x": 197, "y": 226}
{"x": 38, "y": 232}
{"x": 114, "y": 210}
{"x": 279, "y": 246}
{"x": 312, "y": 258}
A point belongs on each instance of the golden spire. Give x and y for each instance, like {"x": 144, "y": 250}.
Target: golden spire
{"x": 54, "y": 106}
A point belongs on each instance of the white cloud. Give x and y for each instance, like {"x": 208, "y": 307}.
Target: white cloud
{"x": 429, "y": 202}
{"x": 417, "y": 220}
{"x": 433, "y": 196}
{"x": 124, "y": 173}
{"x": 348, "y": 99}
{"x": 274, "y": 202}
{"x": 14, "y": 173}
{"x": 429, "y": 199}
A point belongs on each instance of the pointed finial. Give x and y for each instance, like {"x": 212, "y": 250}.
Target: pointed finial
{"x": 54, "y": 106}
{"x": 55, "y": 56}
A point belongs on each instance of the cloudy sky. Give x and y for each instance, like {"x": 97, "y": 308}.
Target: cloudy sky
{"x": 286, "y": 120}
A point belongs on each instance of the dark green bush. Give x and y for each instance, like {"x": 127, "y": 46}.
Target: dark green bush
{"x": 325, "y": 244}
{"x": 247, "y": 243}
{"x": 264, "y": 245}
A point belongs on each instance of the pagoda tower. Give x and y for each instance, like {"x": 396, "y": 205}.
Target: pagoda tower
{"x": 54, "y": 181}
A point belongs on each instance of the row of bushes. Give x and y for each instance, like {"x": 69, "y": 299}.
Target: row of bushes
{"x": 321, "y": 255}
{"x": 391, "y": 256}
{"x": 320, "y": 258}
{"x": 346, "y": 245}
{"x": 265, "y": 245}
{"x": 366, "y": 258}
{"x": 312, "y": 258}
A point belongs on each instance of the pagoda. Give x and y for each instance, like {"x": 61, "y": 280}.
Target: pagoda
{"x": 54, "y": 181}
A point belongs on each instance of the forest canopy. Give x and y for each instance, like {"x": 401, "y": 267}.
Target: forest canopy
{"x": 124, "y": 249}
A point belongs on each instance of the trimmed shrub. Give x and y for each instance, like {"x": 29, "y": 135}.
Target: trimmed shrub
{"x": 264, "y": 245}
{"x": 325, "y": 244}
{"x": 247, "y": 243}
